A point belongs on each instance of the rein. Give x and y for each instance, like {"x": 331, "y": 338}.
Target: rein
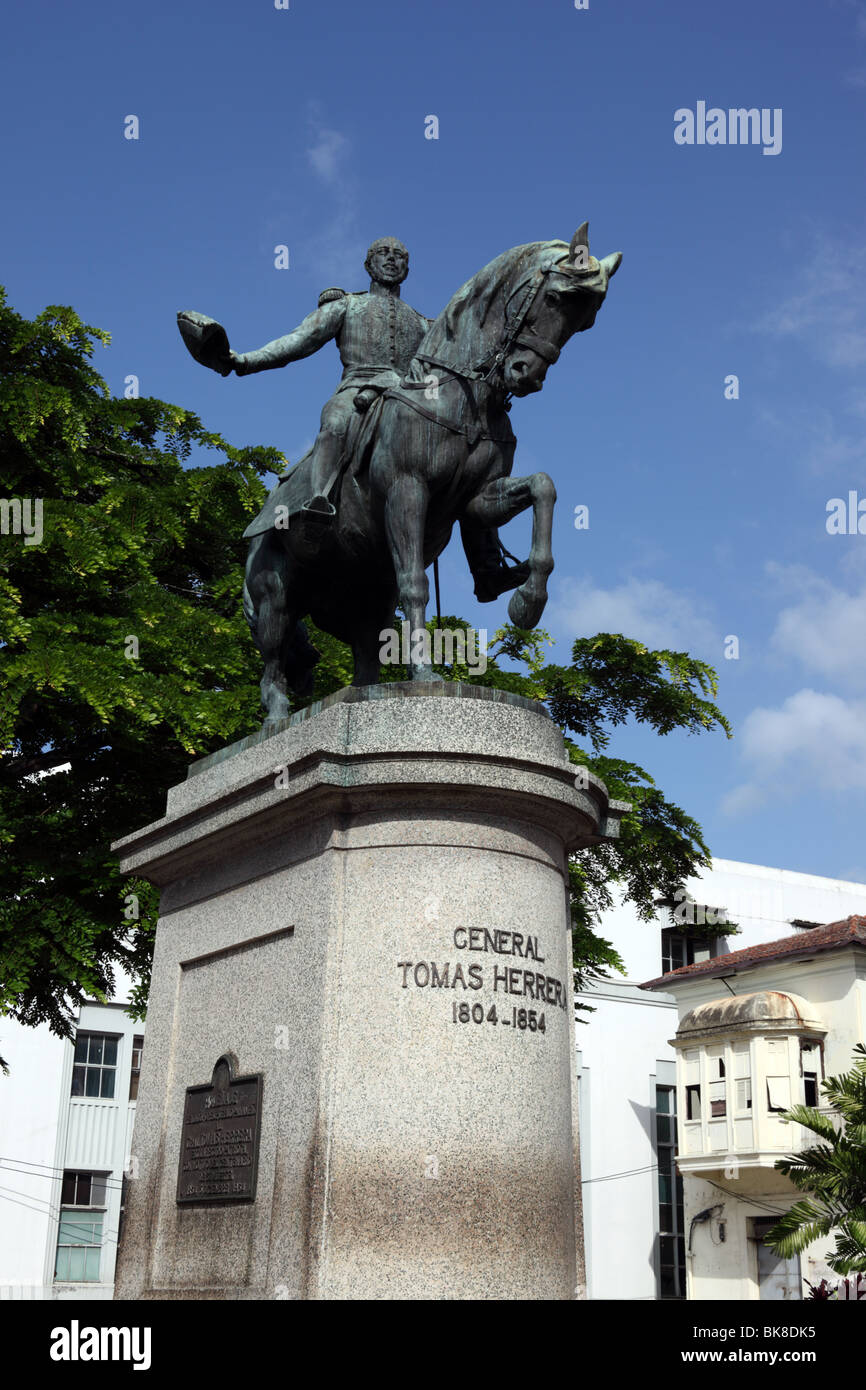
{"x": 513, "y": 335}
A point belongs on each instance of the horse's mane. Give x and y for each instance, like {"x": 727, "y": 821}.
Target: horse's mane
{"x": 471, "y": 321}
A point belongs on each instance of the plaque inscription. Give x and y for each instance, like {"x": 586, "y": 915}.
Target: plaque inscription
{"x": 219, "y": 1142}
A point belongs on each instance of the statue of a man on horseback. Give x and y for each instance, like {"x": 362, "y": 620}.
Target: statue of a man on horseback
{"x": 350, "y": 531}
{"x": 377, "y": 335}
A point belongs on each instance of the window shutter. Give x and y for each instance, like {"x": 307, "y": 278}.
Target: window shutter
{"x": 779, "y": 1092}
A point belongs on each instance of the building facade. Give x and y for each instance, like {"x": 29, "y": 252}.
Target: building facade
{"x": 759, "y": 1030}
{"x": 635, "y": 1217}
{"x": 66, "y": 1113}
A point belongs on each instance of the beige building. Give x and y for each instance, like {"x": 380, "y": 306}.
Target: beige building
{"x": 759, "y": 1030}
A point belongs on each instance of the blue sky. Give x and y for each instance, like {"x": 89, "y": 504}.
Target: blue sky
{"x": 305, "y": 127}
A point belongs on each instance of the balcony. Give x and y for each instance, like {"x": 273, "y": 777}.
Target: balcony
{"x": 742, "y": 1062}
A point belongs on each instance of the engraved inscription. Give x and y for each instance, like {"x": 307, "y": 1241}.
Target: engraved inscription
{"x": 219, "y": 1146}
{"x": 533, "y": 984}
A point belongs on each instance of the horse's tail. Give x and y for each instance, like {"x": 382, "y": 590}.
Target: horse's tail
{"x": 250, "y": 610}
{"x": 300, "y": 656}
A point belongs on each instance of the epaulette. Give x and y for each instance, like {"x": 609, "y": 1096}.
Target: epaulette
{"x": 328, "y": 296}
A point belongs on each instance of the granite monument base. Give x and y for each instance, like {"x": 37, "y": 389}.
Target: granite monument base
{"x": 359, "y": 1072}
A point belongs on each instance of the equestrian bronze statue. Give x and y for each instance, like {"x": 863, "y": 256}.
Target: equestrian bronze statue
{"x": 420, "y": 440}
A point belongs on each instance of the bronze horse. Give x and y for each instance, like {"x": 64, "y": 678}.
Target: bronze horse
{"x": 435, "y": 450}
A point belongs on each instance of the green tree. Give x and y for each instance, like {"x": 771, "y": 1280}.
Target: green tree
{"x": 833, "y": 1172}
{"x": 123, "y": 651}
{"x": 124, "y": 655}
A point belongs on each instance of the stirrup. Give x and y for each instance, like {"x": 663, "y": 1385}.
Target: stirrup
{"x": 490, "y": 583}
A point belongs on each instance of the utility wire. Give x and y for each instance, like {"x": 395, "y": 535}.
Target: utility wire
{"x": 54, "y": 1172}
{"x": 743, "y": 1197}
{"x": 627, "y": 1173}
{"x": 108, "y": 1238}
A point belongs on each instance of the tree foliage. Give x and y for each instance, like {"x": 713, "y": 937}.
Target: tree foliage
{"x": 124, "y": 655}
{"x": 123, "y": 651}
{"x": 833, "y": 1172}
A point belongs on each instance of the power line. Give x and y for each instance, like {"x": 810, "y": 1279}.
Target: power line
{"x": 53, "y": 1172}
{"x": 627, "y": 1173}
{"x": 743, "y": 1197}
{"x": 108, "y": 1237}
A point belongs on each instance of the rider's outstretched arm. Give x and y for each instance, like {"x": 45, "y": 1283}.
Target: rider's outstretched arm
{"x": 317, "y": 329}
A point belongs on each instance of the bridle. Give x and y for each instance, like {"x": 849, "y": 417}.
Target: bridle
{"x": 514, "y": 333}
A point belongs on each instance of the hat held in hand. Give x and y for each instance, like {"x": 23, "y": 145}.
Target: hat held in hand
{"x": 206, "y": 340}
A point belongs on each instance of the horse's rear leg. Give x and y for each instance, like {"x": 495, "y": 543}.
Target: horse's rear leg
{"x": 497, "y": 503}
{"x": 367, "y": 643}
{"x": 405, "y": 517}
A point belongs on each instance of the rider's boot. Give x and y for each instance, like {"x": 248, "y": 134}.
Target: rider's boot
{"x": 486, "y": 555}
{"x": 326, "y": 459}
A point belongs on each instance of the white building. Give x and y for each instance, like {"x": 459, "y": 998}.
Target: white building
{"x": 66, "y": 1113}
{"x": 634, "y": 1219}
{"x": 759, "y": 1030}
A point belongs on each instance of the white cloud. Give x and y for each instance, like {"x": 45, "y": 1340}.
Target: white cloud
{"x": 815, "y": 437}
{"x": 827, "y": 310}
{"x": 824, "y": 628}
{"x": 326, "y": 154}
{"x": 813, "y": 742}
{"x": 643, "y": 609}
{"x": 333, "y": 249}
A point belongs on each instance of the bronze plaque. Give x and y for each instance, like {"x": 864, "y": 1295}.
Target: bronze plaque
{"x": 219, "y": 1143}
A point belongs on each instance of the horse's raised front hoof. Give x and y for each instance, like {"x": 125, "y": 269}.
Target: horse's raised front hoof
{"x": 525, "y": 610}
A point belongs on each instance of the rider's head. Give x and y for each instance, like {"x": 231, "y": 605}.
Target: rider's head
{"x": 387, "y": 261}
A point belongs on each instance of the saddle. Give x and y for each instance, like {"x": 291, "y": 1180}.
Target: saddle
{"x": 284, "y": 508}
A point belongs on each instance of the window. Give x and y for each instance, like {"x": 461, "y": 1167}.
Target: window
{"x": 743, "y": 1095}
{"x": 779, "y": 1092}
{"x": 716, "y": 1082}
{"x": 672, "y": 1253}
{"x": 137, "y": 1048}
{"x": 718, "y": 1107}
{"x": 693, "y": 1102}
{"x": 95, "y": 1065}
{"x": 811, "y": 1070}
{"x": 79, "y": 1246}
{"x": 684, "y": 948}
{"x": 79, "y": 1239}
{"x": 83, "y": 1189}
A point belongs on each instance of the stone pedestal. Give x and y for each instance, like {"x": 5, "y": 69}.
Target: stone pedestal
{"x": 364, "y": 923}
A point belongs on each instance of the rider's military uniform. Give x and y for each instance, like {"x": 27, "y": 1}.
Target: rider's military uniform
{"x": 377, "y": 336}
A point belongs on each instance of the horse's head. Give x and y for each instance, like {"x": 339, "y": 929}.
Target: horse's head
{"x": 560, "y": 296}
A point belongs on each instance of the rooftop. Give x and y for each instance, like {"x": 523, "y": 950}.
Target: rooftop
{"x": 760, "y": 1012}
{"x": 799, "y": 945}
